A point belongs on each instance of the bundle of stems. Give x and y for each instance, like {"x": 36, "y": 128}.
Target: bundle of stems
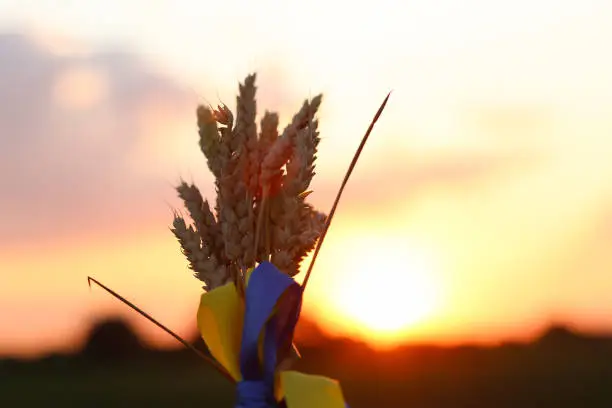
{"x": 260, "y": 214}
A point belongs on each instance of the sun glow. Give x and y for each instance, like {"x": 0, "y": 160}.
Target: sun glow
{"x": 389, "y": 289}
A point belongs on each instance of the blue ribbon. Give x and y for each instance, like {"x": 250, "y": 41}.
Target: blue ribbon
{"x": 267, "y": 288}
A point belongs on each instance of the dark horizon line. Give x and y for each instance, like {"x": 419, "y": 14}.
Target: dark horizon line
{"x": 553, "y": 333}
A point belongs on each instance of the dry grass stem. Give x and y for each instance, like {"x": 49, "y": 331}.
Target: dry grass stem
{"x": 342, "y": 186}
{"x": 207, "y": 358}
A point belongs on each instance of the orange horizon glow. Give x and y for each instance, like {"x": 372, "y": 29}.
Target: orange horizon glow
{"x": 367, "y": 298}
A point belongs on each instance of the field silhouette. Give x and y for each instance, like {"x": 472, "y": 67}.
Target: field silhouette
{"x": 560, "y": 368}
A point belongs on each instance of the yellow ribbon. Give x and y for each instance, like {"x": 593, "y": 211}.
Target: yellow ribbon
{"x": 220, "y": 320}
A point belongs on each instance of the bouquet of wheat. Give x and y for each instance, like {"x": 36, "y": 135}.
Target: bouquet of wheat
{"x": 248, "y": 248}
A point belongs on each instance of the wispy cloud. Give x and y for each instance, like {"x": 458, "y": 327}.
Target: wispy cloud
{"x": 71, "y": 126}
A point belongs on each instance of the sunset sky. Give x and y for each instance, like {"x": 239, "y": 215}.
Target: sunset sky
{"x": 481, "y": 209}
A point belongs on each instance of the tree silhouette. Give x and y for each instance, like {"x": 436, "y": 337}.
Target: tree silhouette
{"x": 112, "y": 339}
{"x": 561, "y": 336}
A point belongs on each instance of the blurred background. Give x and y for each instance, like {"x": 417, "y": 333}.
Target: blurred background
{"x": 469, "y": 261}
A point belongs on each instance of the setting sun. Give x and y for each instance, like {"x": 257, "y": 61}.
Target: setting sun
{"x": 390, "y": 288}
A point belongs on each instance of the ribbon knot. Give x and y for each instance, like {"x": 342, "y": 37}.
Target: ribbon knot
{"x": 249, "y": 336}
{"x": 272, "y": 308}
{"x": 254, "y": 394}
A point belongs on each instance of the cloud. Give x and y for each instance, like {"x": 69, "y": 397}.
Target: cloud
{"x": 69, "y": 127}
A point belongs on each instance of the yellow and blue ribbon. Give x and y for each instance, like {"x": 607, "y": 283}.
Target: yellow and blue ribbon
{"x": 250, "y": 336}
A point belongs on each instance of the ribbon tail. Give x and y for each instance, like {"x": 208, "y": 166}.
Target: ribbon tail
{"x": 220, "y": 318}
{"x": 307, "y": 391}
